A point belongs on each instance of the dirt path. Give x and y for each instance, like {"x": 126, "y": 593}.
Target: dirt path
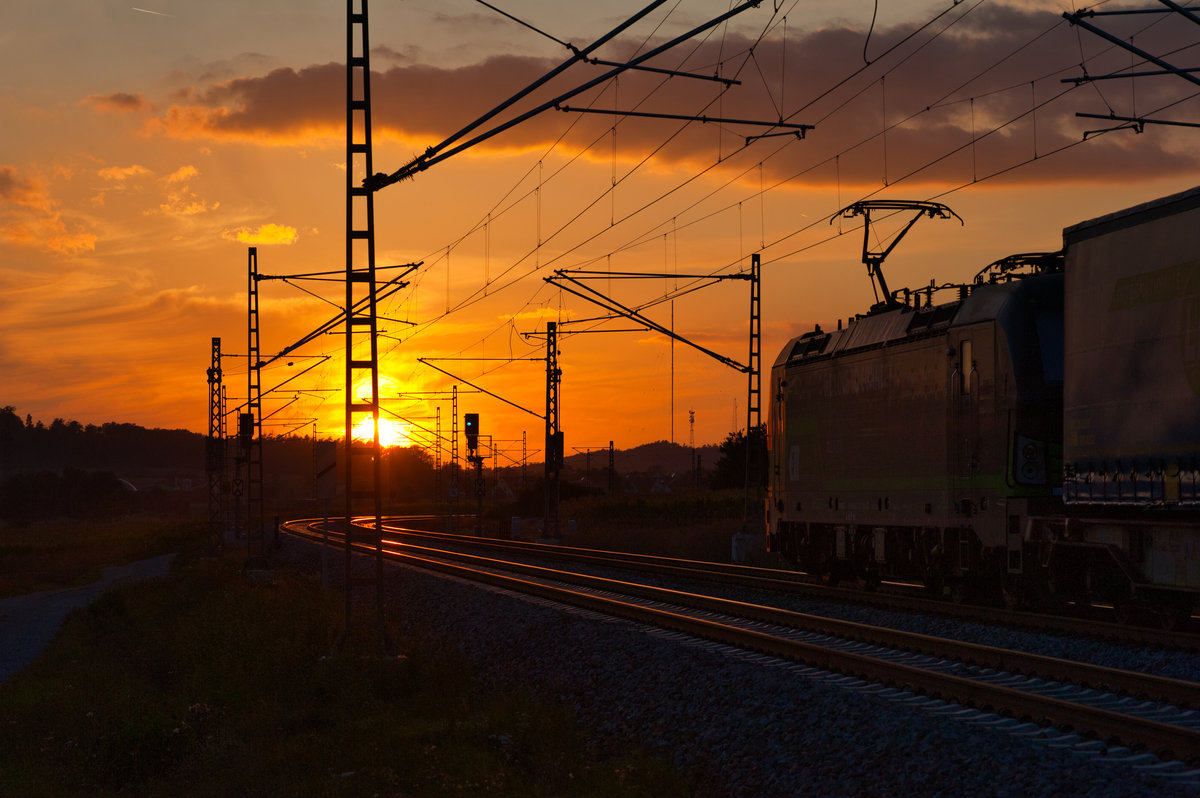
{"x": 28, "y": 623}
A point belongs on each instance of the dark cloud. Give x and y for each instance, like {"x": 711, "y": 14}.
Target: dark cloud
{"x": 409, "y": 55}
{"x": 119, "y": 102}
{"x": 23, "y": 191}
{"x": 979, "y": 97}
{"x": 460, "y": 21}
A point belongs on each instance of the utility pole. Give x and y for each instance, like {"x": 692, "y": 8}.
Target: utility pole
{"x": 229, "y": 510}
{"x": 363, "y": 461}
{"x": 250, "y": 428}
{"x": 455, "y": 488}
{"x": 572, "y": 281}
{"x": 692, "y": 446}
{"x": 753, "y": 388}
{"x": 215, "y": 460}
{"x": 587, "y": 459}
{"x": 612, "y": 469}
{"x": 754, "y": 374}
{"x": 554, "y": 436}
{"x": 471, "y": 427}
{"x": 437, "y": 453}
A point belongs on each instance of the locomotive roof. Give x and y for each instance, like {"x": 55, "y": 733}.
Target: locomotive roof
{"x": 986, "y": 303}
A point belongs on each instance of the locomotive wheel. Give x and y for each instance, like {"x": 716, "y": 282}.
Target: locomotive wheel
{"x": 1172, "y": 617}
{"x": 930, "y": 566}
{"x": 828, "y": 575}
{"x": 957, "y": 592}
{"x": 866, "y": 572}
{"x": 933, "y": 578}
{"x": 1010, "y": 594}
{"x": 823, "y": 565}
{"x": 866, "y": 577}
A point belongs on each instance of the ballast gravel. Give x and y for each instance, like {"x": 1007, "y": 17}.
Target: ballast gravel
{"x": 739, "y": 724}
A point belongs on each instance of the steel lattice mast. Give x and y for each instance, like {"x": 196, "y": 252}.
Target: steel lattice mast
{"x": 250, "y": 429}
{"x": 554, "y": 437}
{"x": 754, "y": 479}
{"x": 453, "y": 505}
{"x": 215, "y": 460}
{"x": 362, "y": 457}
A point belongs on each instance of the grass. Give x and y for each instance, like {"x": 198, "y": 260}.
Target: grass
{"x": 210, "y": 683}
{"x": 61, "y": 553}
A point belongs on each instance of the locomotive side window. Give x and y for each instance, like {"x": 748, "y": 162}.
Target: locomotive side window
{"x": 1050, "y": 343}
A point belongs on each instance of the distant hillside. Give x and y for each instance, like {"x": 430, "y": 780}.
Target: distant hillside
{"x": 144, "y": 457}
{"x": 658, "y": 457}
{"x": 128, "y": 449}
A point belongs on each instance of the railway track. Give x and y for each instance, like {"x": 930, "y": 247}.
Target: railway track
{"x": 1076, "y": 703}
{"x": 800, "y": 584}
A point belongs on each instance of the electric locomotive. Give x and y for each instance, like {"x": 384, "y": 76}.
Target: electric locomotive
{"x": 1034, "y": 440}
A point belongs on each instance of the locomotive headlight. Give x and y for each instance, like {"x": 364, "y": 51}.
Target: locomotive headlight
{"x": 1031, "y": 463}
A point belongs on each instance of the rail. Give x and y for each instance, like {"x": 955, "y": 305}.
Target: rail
{"x": 1168, "y": 739}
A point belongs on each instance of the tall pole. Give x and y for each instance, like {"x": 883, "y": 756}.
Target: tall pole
{"x": 437, "y": 453}
{"x": 251, "y": 421}
{"x": 754, "y": 385}
{"x": 455, "y": 488}
{"x": 363, "y": 456}
{"x": 692, "y": 446}
{"x": 215, "y": 459}
{"x": 612, "y": 469}
{"x": 554, "y": 439}
{"x": 229, "y": 508}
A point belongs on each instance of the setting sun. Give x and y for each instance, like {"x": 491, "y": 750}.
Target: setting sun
{"x": 391, "y": 433}
{"x": 133, "y": 180}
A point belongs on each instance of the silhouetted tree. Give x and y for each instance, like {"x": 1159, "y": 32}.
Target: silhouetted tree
{"x": 730, "y": 470}
{"x": 409, "y": 474}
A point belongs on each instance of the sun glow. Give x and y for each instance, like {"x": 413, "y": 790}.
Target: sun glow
{"x": 391, "y": 433}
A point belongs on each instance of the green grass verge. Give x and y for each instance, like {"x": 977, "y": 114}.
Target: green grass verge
{"x": 58, "y": 554}
{"x": 209, "y": 683}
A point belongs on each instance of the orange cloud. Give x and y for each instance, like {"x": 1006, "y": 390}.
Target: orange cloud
{"x": 119, "y": 102}
{"x": 48, "y": 232}
{"x": 121, "y": 173}
{"x": 180, "y": 199}
{"x": 182, "y": 174}
{"x": 939, "y": 96}
{"x": 32, "y": 219}
{"x": 270, "y": 233}
{"x": 125, "y": 378}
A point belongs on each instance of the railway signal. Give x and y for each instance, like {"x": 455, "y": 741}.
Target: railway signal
{"x": 471, "y": 427}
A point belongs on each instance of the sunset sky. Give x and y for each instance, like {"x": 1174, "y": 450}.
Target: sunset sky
{"x": 143, "y": 149}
